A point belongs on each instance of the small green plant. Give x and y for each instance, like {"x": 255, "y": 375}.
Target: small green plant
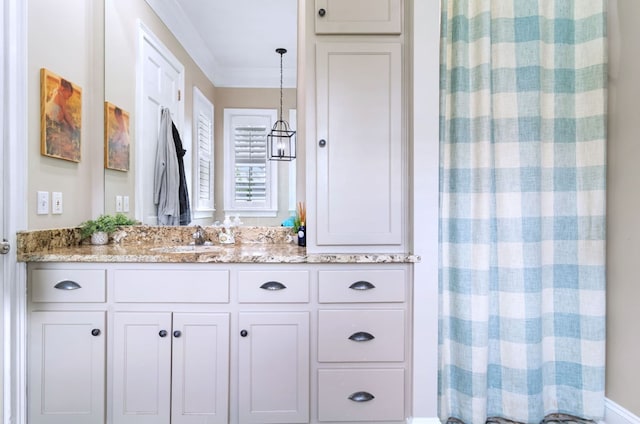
{"x": 105, "y": 223}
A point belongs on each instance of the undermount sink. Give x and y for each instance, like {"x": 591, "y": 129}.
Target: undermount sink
{"x": 191, "y": 248}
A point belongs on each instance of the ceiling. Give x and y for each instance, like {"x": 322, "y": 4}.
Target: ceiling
{"x": 234, "y": 41}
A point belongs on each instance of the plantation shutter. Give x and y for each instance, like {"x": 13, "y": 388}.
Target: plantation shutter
{"x": 251, "y": 180}
{"x": 250, "y": 151}
{"x": 205, "y": 162}
{"x": 203, "y": 166}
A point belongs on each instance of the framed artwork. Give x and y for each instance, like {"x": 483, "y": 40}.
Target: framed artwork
{"x": 116, "y": 138}
{"x": 61, "y": 117}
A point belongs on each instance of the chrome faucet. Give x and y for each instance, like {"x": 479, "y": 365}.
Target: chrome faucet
{"x": 199, "y": 235}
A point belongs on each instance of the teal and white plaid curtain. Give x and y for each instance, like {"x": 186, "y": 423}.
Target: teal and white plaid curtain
{"x": 522, "y": 209}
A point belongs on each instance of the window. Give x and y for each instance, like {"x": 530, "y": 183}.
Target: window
{"x": 203, "y": 201}
{"x": 251, "y": 181}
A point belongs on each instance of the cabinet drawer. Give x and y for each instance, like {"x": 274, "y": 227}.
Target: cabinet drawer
{"x": 68, "y": 285}
{"x": 358, "y": 17}
{"x": 361, "y": 286}
{"x": 273, "y": 286}
{"x": 361, "y": 336}
{"x": 361, "y": 395}
{"x": 171, "y": 285}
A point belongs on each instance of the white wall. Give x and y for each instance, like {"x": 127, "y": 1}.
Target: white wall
{"x": 65, "y": 37}
{"x": 623, "y": 206}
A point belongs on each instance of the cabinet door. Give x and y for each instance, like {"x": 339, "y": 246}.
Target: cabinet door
{"x": 359, "y": 169}
{"x": 67, "y": 367}
{"x": 274, "y": 367}
{"x": 200, "y": 376}
{"x": 141, "y": 367}
{"x": 358, "y": 16}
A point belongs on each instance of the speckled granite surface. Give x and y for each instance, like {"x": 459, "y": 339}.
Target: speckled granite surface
{"x": 172, "y": 244}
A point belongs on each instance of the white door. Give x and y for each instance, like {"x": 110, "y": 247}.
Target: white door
{"x": 160, "y": 84}
{"x": 200, "y": 377}
{"x": 141, "y": 367}
{"x": 67, "y": 367}
{"x": 274, "y": 367}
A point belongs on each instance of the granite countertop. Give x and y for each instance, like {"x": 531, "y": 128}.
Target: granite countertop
{"x": 173, "y": 244}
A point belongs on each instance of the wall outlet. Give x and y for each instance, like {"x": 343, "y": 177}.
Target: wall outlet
{"x": 43, "y": 203}
{"x": 118, "y": 203}
{"x": 125, "y": 204}
{"x": 56, "y": 203}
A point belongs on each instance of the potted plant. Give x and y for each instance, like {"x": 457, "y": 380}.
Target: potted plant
{"x": 100, "y": 228}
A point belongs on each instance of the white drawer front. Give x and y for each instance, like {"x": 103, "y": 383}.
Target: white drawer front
{"x": 273, "y": 286}
{"x": 73, "y": 285}
{"x": 356, "y": 286}
{"x": 384, "y": 389}
{"x": 175, "y": 286}
{"x": 361, "y": 335}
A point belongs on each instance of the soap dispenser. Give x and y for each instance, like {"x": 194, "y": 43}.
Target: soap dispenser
{"x": 302, "y": 235}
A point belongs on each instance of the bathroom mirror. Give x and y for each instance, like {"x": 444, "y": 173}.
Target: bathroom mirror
{"x": 227, "y": 49}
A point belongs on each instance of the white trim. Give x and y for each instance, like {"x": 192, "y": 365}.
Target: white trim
{"x": 14, "y": 133}
{"x": 616, "y": 414}
{"x": 424, "y": 135}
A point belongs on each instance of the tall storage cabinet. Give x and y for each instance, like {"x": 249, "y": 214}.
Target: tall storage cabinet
{"x": 355, "y": 138}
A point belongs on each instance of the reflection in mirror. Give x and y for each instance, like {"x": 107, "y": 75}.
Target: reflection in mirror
{"x": 227, "y": 58}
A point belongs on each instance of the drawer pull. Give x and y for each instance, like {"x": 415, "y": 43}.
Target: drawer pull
{"x": 177, "y": 333}
{"x": 362, "y": 285}
{"x": 273, "y": 285}
{"x": 67, "y": 285}
{"x": 162, "y": 333}
{"x": 361, "y": 336}
{"x": 361, "y": 397}
{"x": 95, "y": 332}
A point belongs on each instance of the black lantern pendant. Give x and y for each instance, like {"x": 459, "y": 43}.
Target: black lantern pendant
{"x": 281, "y": 141}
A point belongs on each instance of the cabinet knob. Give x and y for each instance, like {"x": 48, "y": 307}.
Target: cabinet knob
{"x": 362, "y": 285}
{"x": 67, "y": 285}
{"x": 322, "y": 142}
{"x": 177, "y": 333}
{"x": 95, "y": 332}
{"x": 273, "y": 285}
{"x": 162, "y": 333}
{"x": 361, "y": 336}
{"x": 361, "y": 397}
{"x": 244, "y": 333}
{"x": 322, "y": 12}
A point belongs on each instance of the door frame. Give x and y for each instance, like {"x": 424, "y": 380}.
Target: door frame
{"x": 13, "y": 94}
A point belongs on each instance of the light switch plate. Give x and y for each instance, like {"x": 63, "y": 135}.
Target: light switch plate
{"x": 118, "y": 203}
{"x": 43, "y": 203}
{"x": 56, "y": 203}
{"x": 125, "y": 204}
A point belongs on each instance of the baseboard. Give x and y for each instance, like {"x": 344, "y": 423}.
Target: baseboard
{"x": 418, "y": 420}
{"x": 616, "y": 414}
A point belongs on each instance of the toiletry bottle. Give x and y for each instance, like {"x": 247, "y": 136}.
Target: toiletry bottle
{"x": 302, "y": 235}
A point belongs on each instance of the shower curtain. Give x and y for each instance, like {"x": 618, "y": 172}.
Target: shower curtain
{"x": 522, "y": 210}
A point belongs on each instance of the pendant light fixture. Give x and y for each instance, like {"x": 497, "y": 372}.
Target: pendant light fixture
{"x": 281, "y": 141}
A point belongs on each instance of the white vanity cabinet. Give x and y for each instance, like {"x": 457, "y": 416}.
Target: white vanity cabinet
{"x": 66, "y": 367}
{"x": 356, "y": 145}
{"x": 170, "y": 367}
{"x": 273, "y": 347}
{"x": 170, "y": 350}
{"x": 363, "y": 344}
{"x": 193, "y": 343}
